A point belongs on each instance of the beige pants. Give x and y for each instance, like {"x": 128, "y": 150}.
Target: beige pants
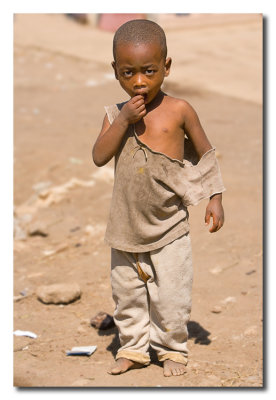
{"x": 152, "y": 293}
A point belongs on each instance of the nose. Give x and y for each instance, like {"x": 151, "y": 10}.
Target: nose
{"x": 139, "y": 81}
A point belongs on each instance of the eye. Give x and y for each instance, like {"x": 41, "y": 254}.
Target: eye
{"x": 149, "y": 72}
{"x": 127, "y": 74}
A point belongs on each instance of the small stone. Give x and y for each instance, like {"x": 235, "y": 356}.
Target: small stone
{"x": 216, "y": 309}
{"x": 24, "y": 292}
{"x": 37, "y": 229}
{"x": 252, "y": 271}
{"x": 102, "y": 321}
{"x": 58, "y": 249}
{"x": 216, "y": 270}
{"x": 229, "y": 300}
{"x": 60, "y": 293}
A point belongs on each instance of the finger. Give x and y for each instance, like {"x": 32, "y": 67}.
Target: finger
{"x": 137, "y": 98}
{"x": 142, "y": 107}
{"x": 207, "y": 217}
{"x": 143, "y": 113}
{"x": 137, "y": 105}
{"x": 214, "y": 227}
{"x": 221, "y": 222}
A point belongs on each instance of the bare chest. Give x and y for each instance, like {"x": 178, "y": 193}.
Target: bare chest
{"x": 162, "y": 135}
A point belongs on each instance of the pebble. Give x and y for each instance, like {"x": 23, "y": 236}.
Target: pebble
{"x": 37, "y": 229}
{"x": 216, "y": 270}
{"x": 60, "y": 293}
{"x": 102, "y": 321}
{"x": 216, "y": 309}
{"x": 229, "y": 300}
{"x": 58, "y": 249}
{"x": 252, "y": 271}
{"x": 24, "y": 292}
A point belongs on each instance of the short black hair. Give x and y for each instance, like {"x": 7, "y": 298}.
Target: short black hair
{"x": 140, "y": 31}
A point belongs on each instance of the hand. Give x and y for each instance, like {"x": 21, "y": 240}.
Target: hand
{"x": 214, "y": 209}
{"x": 134, "y": 109}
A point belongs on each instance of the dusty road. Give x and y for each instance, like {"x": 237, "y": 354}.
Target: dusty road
{"x": 62, "y": 80}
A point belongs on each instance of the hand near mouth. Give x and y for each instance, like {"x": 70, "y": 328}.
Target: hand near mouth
{"x": 134, "y": 109}
{"x": 144, "y": 95}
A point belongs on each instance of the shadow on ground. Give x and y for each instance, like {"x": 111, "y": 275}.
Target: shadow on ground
{"x": 196, "y": 332}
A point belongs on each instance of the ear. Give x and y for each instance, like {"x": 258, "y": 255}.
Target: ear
{"x": 168, "y": 64}
{"x": 114, "y": 67}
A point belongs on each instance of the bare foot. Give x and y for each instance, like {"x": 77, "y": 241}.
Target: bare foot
{"x": 122, "y": 365}
{"x": 173, "y": 368}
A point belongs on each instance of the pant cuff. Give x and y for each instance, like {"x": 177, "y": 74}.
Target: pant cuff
{"x": 134, "y": 356}
{"x": 177, "y": 357}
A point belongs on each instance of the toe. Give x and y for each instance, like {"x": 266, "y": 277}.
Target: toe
{"x": 114, "y": 371}
{"x": 167, "y": 372}
{"x": 175, "y": 372}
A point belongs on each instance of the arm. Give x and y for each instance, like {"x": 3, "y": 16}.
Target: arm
{"x": 195, "y": 132}
{"x": 110, "y": 137}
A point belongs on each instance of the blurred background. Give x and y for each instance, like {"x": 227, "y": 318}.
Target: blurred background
{"x": 62, "y": 80}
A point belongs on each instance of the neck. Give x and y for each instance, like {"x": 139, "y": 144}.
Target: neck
{"x": 156, "y": 101}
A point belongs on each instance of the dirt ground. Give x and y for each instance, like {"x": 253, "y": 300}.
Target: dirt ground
{"x": 62, "y": 80}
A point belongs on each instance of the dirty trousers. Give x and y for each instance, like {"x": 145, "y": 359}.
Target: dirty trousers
{"x": 152, "y": 293}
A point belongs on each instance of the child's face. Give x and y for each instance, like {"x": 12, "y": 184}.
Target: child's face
{"x": 141, "y": 69}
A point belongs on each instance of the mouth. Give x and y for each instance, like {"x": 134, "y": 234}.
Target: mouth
{"x": 145, "y": 96}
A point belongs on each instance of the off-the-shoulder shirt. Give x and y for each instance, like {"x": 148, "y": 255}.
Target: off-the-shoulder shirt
{"x": 152, "y": 191}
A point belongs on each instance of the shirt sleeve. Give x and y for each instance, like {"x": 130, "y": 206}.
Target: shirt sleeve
{"x": 112, "y": 112}
{"x": 203, "y": 179}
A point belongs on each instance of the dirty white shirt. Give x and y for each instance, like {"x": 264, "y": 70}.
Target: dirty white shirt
{"x": 152, "y": 191}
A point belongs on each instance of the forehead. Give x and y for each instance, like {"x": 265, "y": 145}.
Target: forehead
{"x": 138, "y": 53}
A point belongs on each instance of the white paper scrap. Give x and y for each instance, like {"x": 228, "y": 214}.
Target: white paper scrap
{"x": 25, "y": 333}
{"x": 82, "y": 350}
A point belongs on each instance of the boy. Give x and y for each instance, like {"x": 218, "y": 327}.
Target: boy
{"x": 158, "y": 173}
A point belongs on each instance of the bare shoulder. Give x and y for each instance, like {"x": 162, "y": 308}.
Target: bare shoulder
{"x": 181, "y": 106}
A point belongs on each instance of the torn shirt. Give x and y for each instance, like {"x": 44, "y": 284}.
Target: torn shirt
{"x": 152, "y": 191}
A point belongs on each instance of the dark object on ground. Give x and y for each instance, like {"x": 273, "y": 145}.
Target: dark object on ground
{"x": 102, "y": 321}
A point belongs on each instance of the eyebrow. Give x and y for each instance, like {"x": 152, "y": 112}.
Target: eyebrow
{"x": 150, "y": 65}
{"x": 143, "y": 66}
